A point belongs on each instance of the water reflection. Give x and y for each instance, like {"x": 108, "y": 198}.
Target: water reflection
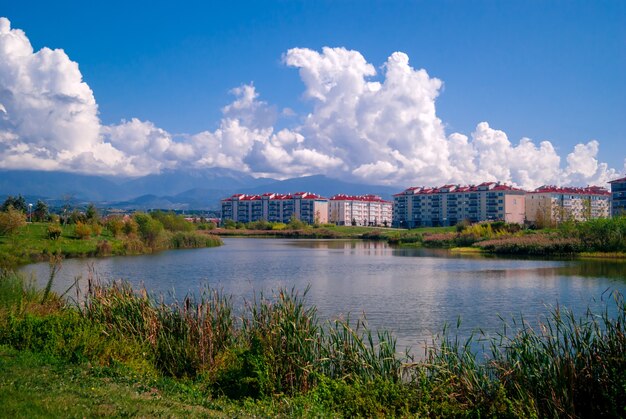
{"x": 409, "y": 291}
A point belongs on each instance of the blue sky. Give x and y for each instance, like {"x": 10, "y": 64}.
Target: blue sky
{"x": 545, "y": 70}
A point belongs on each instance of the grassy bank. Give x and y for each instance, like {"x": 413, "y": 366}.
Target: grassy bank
{"x": 33, "y": 242}
{"x": 124, "y": 352}
{"x": 599, "y": 238}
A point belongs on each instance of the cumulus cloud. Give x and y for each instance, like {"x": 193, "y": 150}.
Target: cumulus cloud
{"x": 48, "y": 114}
{"x": 365, "y": 125}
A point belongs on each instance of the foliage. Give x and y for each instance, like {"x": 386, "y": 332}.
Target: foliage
{"x": 538, "y": 244}
{"x": 18, "y": 203}
{"x": 82, "y": 231}
{"x": 603, "y": 234}
{"x": 11, "y": 221}
{"x": 150, "y": 229}
{"x": 40, "y": 213}
{"x": 296, "y": 224}
{"x": 115, "y": 224}
{"x": 187, "y": 240}
{"x": 172, "y": 222}
{"x": 77, "y": 217}
{"x": 54, "y": 231}
{"x": 91, "y": 213}
{"x": 282, "y": 355}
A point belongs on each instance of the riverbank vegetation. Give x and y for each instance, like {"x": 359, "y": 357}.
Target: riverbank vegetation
{"x": 604, "y": 237}
{"x": 82, "y": 235}
{"x": 118, "y": 348}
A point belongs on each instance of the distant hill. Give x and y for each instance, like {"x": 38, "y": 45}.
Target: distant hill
{"x": 194, "y": 189}
{"x": 56, "y": 185}
{"x": 323, "y": 185}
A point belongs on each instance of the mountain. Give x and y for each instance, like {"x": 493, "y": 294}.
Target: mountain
{"x": 323, "y": 185}
{"x": 173, "y": 182}
{"x": 58, "y": 185}
{"x": 193, "y": 189}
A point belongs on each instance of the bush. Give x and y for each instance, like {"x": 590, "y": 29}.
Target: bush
{"x": 150, "y": 229}
{"x": 172, "y": 222}
{"x": 96, "y": 228}
{"x": 11, "y": 221}
{"x": 103, "y": 248}
{"x": 187, "y": 240}
{"x": 115, "y": 224}
{"x": 54, "y": 231}
{"x": 82, "y": 231}
{"x": 538, "y": 244}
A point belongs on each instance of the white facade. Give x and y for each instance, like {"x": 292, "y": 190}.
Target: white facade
{"x": 365, "y": 210}
{"x": 272, "y": 207}
{"x": 553, "y": 204}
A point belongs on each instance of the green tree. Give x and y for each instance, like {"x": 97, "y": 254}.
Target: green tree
{"x": 115, "y": 224}
{"x": 149, "y": 228}
{"x": 11, "y": 221}
{"x": 295, "y": 223}
{"x": 91, "y": 214}
{"x": 41, "y": 211}
{"x": 17, "y": 202}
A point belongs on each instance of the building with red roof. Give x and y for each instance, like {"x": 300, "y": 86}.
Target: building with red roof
{"x": 449, "y": 204}
{"x": 274, "y": 207}
{"x": 555, "y": 204}
{"x": 618, "y": 196}
{"x": 362, "y": 210}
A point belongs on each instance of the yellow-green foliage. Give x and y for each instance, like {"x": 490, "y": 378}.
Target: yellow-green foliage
{"x": 11, "y": 221}
{"x": 82, "y": 231}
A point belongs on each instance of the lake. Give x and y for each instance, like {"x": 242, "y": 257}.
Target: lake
{"x": 411, "y": 292}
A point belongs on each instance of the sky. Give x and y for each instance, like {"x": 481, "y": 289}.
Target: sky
{"x": 386, "y": 92}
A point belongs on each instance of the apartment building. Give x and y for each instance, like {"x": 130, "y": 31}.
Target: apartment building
{"x": 363, "y": 210}
{"x": 618, "y": 197}
{"x": 449, "y": 204}
{"x": 552, "y": 204}
{"x": 273, "y": 207}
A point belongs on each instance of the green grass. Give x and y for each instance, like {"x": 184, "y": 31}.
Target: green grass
{"x": 128, "y": 353}
{"x": 31, "y": 244}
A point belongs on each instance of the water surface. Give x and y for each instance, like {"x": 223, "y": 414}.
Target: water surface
{"x": 411, "y": 292}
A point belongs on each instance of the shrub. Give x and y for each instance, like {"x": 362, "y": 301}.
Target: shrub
{"x": 150, "y": 229}
{"x": 187, "y": 240}
{"x": 96, "y": 228}
{"x": 82, "y": 231}
{"x": 115, "y": 224}
{"x": 54, "y": 231}
{"x": 11, "y": 221}
{"x": 172, "y": 222}
{"x": 538, "y": 244}
{"x": 103, "y": 248}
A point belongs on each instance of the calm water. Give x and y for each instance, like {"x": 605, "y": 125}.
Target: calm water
{"x": 409, "y": 291}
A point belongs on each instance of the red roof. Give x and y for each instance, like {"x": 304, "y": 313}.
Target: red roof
{"x": 458, "y": 188}
{"x": 623, "y": 179}
{"x": 589, "y": 190}
{"x": 274, "y": 196}
{"x": 365, "y": 198}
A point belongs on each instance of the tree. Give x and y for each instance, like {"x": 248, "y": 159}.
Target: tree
{"x": 41, "y": 211}
{"x": 16, "y": 202}
{"x": 91, "y": 214}
{"x": 11, "y": 221}
{"x": 149, "y": 228}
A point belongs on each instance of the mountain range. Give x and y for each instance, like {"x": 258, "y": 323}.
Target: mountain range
{"x": 183, "y": 190}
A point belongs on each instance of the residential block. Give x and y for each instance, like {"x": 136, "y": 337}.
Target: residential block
{"x": 363, "y": 210}
{"x": 449, "y": 204}
{"x": 552, "y": 204}
{"x": 273, "y": 207}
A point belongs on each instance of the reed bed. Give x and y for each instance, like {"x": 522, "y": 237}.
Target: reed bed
{"x": 276, "y": 346}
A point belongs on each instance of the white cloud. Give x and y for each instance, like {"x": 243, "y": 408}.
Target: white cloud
{"x": 365, "y": 126}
